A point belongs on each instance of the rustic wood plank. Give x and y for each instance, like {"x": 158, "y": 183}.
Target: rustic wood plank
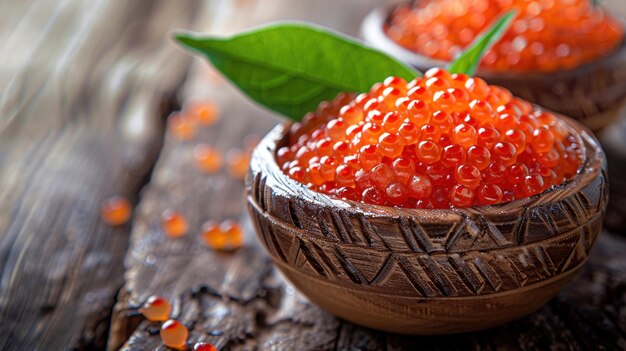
{"x": 238, "y": 301}
{"x": 177, "y": 184}
{"x": 83, "y": 96}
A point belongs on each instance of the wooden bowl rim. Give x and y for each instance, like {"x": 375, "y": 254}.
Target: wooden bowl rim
{"x": 372, "y": 33}
{"x": 303, "y": 234}
{"x": 264, "y": 161}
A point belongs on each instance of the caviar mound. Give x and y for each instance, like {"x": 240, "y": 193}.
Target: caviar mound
{"x": 545, "y": 36}
{"x": 436, "y": 245}
{"x": 441, "y": 141}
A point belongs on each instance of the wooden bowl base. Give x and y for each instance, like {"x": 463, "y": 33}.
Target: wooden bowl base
{"x": 420, "y": 316}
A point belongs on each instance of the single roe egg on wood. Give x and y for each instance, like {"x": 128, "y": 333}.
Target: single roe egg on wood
{"x": 234, "y": 233}
{"x": 204, "y": 113}
{"x": 180, "y": 126}
{"x": 207, "y": 158}
{"x": 174, "y": 334}
{"x": 116, "y": 210}
{"x": 225, "y": 236}
{"x": 174, "y": 223}
{"x": 475, "y": 145}
{"x": 213, "y": 236}
{"x": 204, "y": 346}
{"x": 156, "y": 309}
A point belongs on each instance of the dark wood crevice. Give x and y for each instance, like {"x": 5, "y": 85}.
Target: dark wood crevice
{"x": 79, "y": 123}
{"x": 95, "y": 336}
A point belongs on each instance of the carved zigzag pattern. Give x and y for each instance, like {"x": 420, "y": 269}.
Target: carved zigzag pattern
{"x": 470, "y": 231}
{"x": 468, "y": 253}
{"x": 429, "y": 268}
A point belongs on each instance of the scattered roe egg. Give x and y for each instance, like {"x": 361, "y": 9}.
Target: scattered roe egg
{"x": 116, "y": 210}
{"x": 401, "y": 145}
{"x": 205, "y": 113}
{"x": 180, "y": 126}
{"x": 226, "y": 236}
{"x": 174, "y": 334}
{"x": 545, "y": 36}
{"x": 234, "y": 233}
{"x": 208, "y": 159}
{"x": 174, "y": 224}
{"x": 156, "y": 309}
{"x": 238, "y": 162}
{"x": 204, "y": 346}
{"x": 213, "y": 236}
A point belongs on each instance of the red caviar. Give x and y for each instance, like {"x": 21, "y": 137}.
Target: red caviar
{"x": 174, "y": 224}
{"x": 226, "y": 236}
{"x": 234, "y": 233}
{"x": 207, "y": 158}
{"x": 545, "y": 36}
{"x": 174, "y": 334}
{"x": 156, "y": 309}
{"x": 116, "y": 210}
{"x": 204, "y": 346}
{"x": 181, "y": 126}
{"x": 205, "y": 113}
{"x": 481, "y": 146}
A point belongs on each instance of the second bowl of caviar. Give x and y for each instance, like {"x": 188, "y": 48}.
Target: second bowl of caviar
{"x": 593, "y": 93}
{"x": 421, "y": 271}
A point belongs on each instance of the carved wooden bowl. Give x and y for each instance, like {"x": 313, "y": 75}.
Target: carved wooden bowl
{"x": 426, "y": 271}
{"x": 594, "y": 94}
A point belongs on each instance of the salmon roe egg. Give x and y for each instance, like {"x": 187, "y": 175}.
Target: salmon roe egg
{"x": 213, "y": 236}
{"x": 181, "y": 126}
{"x": 174, "y": 334}
{"x": 208, "y": 159}
{"x": 225, "y": 236}
{"x": 478, "y": 145}
{"x": 204, "y": 346}
{"x": 205, "y": 113}
{"x": 545, "y": 36}
{"x": 233, "y": 232}
{"x": 116, "y": 210}
{"x": 174, "y": 224}
{"x": 156, "y": 309}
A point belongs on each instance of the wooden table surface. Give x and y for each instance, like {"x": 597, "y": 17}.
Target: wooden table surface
{"x": 85, "y": 87}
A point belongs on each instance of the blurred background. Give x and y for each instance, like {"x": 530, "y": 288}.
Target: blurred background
{"x": 85, "y": 91}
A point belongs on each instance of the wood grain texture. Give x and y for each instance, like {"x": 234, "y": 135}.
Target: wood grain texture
{"x": 586, "y": 315}
{"x": 81, "y": 111}
{"x": 84, "y": 88}
{"x": 427, "y": 271}
{"x": 594, "y": 93}
{"x": 158, "y": 266}
{"x": 266, "y": 313}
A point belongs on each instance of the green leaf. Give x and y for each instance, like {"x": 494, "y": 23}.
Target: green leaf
{"x": 468, "y": 61}
{"x": 292, "y": 67}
